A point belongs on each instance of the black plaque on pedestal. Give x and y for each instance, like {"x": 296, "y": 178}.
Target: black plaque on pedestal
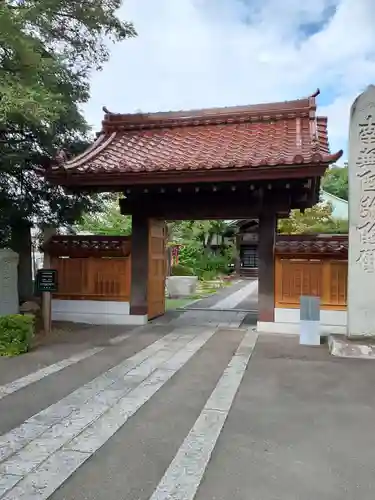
{"x": 46, "y": 280}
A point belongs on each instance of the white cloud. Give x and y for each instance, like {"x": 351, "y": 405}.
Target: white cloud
{"x": 201, "y": 53}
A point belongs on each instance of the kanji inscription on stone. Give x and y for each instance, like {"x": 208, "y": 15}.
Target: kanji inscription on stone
{"x": 365, "y": 166}
{"x": 361, "y": 271}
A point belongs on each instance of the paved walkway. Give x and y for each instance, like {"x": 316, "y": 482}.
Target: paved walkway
{"x": 191, "y": 406}
{"x": 241, "y": 296}
{"x": 238, "y": 297}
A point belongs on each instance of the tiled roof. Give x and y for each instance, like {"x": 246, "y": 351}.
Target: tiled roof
{"x": 243, "y": 137}
{"x": 303, "y": 244}
{"x": 88, "y": 245}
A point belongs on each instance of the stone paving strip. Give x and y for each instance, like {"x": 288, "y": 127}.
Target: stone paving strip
{"x": 120, "y": 338}
{"x": 236, "y": 298}
{"x": 184, "y": 475}
{"x": 21, "y": 436}
{"x": 210, "y": 318}
{"x": 43, "y": 452}
{"x": 22, "y": 382}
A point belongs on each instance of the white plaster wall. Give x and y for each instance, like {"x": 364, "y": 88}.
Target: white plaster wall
{"x": 95, "y": 312}
{"x": 340, "y": 207}
{"x": 287, "y": 321}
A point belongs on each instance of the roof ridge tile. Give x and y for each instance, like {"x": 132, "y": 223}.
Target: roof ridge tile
{"x": 272, "y": 135}
{"x": 230, "y": 114}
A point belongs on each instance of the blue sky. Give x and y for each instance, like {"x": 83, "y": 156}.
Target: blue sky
{"x": 201, "y": 53}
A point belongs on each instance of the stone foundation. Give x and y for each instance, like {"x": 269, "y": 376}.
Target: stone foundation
{"x": 287, "y": 321}
{"x": 344, "y": 347}
{"x": 95, "y": 312}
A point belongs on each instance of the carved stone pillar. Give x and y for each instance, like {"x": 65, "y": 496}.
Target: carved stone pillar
{"x": 8, "y": 282}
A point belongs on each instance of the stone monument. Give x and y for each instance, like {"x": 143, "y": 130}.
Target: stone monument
{"x": 361, "y": 265}
{"x": 8, "y": 282}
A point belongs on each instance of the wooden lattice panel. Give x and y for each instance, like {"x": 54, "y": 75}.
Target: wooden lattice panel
{"x": 322, "y": 278}
{"x": 297, "y": 277}
{"x": 93, "y": 278}
{"x": 338, "y": 283}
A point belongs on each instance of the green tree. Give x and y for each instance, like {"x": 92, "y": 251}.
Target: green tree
{"x": 107, "y": 222}
{"x": 25, "y": 198}
{"x": 336, "y": 181}
{"x": 202, "y": 231}
{"x": 197, "y": 252}
{"x": 317, "y": 219}
{"x": 42, "y": 38}
{"x": 47, "y": 51}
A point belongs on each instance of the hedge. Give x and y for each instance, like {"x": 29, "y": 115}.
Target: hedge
{"x": 16, "y": 333}
{"x": 181, "y": 270}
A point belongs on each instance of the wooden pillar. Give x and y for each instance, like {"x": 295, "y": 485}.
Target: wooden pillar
{"x": 266, "y": 267}
{"x": 139, "y": 265}
{"x": 21, "y": 243}
{"x": 238, "y": 254}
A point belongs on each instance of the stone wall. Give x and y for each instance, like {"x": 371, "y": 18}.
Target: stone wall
{"x": 8, "y": 282}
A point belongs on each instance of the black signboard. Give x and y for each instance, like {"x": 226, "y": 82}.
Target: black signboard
{"x": 46, "y": 280}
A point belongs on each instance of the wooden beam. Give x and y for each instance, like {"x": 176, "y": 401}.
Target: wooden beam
{"x": 213, "y": 205}
{"x": 115, "y": 180}
{"x": 296, "y": 186}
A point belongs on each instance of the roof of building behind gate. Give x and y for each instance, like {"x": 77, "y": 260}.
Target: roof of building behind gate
{"x": 242, "y": 137}
{"x": 312, "y": 244}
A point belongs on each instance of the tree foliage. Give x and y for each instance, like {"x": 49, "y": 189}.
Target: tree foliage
{"x": 317, "y": 219}
{"x": 336, "y": 181}
{"x": 41, "y": 41}
{"x": 197, "y": 252}
{"x": 108, "y": 222}
{"x": 47, "y": 51}
{"x": 197, "y": 255}
{"x": 200, "y": 230}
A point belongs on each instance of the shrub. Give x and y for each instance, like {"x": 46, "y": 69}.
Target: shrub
{"x": 181, "y": 270}
{"x": 190, "y": 254}
{"x": 204, "y": 263}
{"x": 211, "y": 266}
{"x": 209, "y": 275}
{"x": 16, "y": 333}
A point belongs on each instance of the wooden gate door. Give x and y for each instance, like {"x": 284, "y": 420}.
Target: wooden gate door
{"x": 156, "y": 268}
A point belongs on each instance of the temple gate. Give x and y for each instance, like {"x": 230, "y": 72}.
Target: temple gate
{"x": 244, "y": 162}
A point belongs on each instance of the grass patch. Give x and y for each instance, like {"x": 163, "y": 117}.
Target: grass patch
{"x": 171, "y": 304}
{"x": 204, "y": 289}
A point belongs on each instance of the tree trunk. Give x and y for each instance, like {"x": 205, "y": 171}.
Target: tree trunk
{"x": 21, "y": 243}
{"x": 208, "y": 244}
